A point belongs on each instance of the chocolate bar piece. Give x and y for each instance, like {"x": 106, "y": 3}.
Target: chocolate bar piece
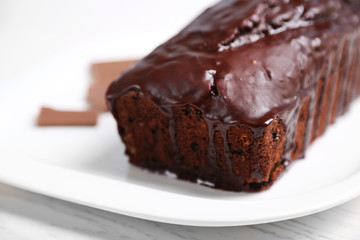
{"x": 103, "y": 74}
{"x": 51, "y": 117}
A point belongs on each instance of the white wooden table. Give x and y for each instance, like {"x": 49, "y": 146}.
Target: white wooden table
{"x": 26, "y": 215}
{"x": 32, "y": 30}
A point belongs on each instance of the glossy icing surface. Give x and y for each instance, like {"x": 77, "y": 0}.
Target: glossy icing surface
{"x": 240, "y": 60}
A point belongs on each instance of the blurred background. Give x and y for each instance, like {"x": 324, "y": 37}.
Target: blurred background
{"x": 33, "y": 30}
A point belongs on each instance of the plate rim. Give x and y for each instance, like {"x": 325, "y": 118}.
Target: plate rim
{"x": 302, "y": 202}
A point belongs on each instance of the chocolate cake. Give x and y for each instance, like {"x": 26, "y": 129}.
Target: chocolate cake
{"x": 240, "y": 92}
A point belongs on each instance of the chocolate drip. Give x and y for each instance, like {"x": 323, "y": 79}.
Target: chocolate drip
{"x": 223, "y": 131}
{"x": 172, "y": 132}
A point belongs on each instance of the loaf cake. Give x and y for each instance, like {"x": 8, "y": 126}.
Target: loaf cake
{"x": 241, "y": 92}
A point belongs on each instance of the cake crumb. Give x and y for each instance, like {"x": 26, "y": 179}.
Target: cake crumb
{"x": 170, "y": 174}
{"x": 207, "y": 183}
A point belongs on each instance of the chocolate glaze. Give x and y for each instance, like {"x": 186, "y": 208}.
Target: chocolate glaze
{"x": 244, "y": 61}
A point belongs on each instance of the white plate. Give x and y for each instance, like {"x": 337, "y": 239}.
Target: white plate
{"x": 86, "y": 165}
